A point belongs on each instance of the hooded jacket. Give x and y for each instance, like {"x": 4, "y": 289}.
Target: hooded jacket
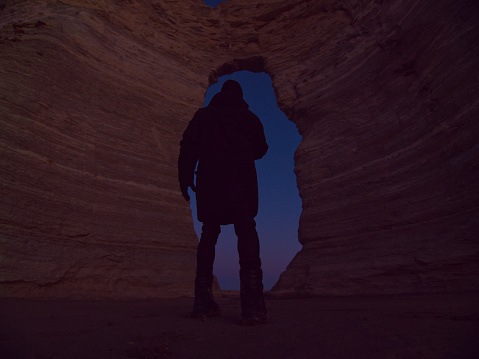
{"x": 225, "y": 139}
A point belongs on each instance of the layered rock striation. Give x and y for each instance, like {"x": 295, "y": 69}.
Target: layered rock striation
{"x": 91, "y": 116}
{"x": 389, "y": 160}
{"x": 95, "y": 96}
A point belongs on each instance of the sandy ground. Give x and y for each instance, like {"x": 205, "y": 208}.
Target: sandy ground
{"x": 406, "y": 326}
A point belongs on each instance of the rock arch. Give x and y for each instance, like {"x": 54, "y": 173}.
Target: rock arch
{"x": 95, "y": 95}
{"x": 253, "y": 64}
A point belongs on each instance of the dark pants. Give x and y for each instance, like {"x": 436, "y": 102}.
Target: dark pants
{"x": 248, "y": 245}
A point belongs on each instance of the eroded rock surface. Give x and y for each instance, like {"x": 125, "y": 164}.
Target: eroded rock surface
{"x": 95, "y": 95}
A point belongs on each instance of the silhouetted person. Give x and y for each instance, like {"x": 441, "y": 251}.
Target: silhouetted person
{"x": 225, "y": 138}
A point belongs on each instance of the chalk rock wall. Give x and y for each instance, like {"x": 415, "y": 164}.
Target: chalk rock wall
{"x": 92, "y": 115}
{"x": 95, "y": 96}
{"x": 387, "y": 101}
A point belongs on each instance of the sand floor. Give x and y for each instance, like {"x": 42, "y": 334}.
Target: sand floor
{"x": 393, "y": 326}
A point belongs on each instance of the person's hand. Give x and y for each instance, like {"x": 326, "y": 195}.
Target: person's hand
{"x": 184, "y": 189}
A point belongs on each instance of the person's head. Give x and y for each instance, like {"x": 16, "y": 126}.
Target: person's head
{"x": 232, "y": 87}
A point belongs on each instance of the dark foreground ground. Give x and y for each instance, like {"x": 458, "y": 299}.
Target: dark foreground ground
{"x": 405, "y": 326}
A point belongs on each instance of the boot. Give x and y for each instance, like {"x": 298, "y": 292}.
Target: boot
{"x": 205, "y": 305}
{"x": 253, "y": 306}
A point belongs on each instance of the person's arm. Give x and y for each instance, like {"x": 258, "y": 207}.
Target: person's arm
{"x": 189, "y": 152}
{"x": 260, "y": 145}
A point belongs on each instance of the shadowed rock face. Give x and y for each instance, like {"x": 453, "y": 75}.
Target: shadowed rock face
{"x": 95, "y": 96}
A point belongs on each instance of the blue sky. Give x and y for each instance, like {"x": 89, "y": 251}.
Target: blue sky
{"x": 279, "y": 202}
{"x": 213, "y": 3}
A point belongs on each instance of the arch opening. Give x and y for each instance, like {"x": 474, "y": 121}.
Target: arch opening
{"x": 279, "y": 201}
{"x": 213, "y": 3}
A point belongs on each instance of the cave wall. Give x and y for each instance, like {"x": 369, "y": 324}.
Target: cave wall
{"x": 389, "y": 160}
{"x": 95, "y": 96}
{"x": 91, "y": 117}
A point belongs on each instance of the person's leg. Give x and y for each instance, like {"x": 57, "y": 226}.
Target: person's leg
{"x": 248, "y": 243}
{"x": 204, "y": 302}
{"x": 251, "y": 276}
{"x": 205, "y": 255}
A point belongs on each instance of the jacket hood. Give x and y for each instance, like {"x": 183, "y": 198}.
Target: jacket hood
{"x": 227, "y": 99}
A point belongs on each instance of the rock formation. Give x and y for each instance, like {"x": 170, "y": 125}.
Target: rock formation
{"x": 95, "y": 96}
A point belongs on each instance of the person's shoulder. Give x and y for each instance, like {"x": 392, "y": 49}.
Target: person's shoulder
{"x": 211, "y": 111}
{"x": 201, "y": 112}
{"x": 252, "y": 115}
